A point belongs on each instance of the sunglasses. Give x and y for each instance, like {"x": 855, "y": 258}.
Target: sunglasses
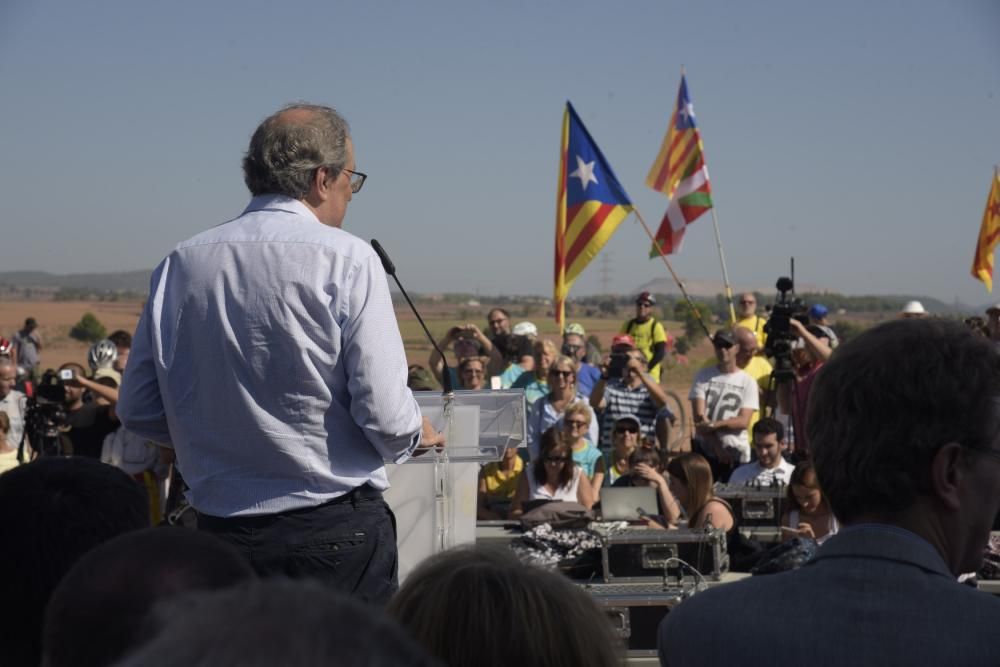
{"x": 565, "y": 374}
{"x": 556, "y": 459}
{"x": 626, "y": 429}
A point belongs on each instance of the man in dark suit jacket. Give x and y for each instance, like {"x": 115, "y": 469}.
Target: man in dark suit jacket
{"x": 904, "y": 427}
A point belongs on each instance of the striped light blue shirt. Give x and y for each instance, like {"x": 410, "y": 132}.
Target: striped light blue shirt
{"x": 268, "y": 355}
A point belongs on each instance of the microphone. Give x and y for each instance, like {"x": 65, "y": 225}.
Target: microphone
{"x": 390, "y": 269}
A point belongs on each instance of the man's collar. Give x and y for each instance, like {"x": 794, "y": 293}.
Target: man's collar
{"x": 886, "y": 542}
{"x": 280, "y": 203}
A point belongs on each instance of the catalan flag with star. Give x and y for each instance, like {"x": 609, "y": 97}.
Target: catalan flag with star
{"x": 989, "y": 234}
{"x": 590, "y": 204}
{"x": 680, "y": 173}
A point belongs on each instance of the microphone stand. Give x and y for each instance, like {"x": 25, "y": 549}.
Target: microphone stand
{"x": 443, "y": 482}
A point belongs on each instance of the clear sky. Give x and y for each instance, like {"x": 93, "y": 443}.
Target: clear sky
{"x": 858, "y": 135}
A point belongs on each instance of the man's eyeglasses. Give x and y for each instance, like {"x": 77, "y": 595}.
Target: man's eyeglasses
{"x": 357, "y": 180}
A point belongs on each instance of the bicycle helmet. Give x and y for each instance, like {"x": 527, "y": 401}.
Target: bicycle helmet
{"x": 102, "y": 354}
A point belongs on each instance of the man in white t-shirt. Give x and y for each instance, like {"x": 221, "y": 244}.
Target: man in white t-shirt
{"x": 723, "y": 399}
{"x": 770, "y": 467}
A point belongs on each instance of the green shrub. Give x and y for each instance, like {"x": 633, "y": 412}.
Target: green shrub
{"x": 89, "y": 329}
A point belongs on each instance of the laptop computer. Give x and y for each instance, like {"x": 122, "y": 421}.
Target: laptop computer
{"x": 623, "y": 503}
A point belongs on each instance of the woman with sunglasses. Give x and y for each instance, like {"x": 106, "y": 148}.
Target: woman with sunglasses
{"x": 575, "y": 422}
{"x": 548, "y": 410}
{"x": 625, "y": 439}
{"x": 472, "y": 373}
{"x": 553, "y": 476}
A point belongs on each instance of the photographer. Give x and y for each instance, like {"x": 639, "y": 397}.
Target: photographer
{"x": 626, "y": 389}
{"x": 89, "y": 422}
{"x": 466, "y": 341}
{"x": 809, "y": 353}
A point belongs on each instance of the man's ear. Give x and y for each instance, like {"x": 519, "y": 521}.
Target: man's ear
{"x": 948, "y": 468}
{"x": 319, "y": 187}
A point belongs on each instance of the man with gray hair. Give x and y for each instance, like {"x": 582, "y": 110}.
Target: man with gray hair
{"x": 903, "y": 423}
{"x": 269, "y": 357}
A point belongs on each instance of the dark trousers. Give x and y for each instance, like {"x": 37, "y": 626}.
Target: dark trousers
{"x": 348, "y": 543}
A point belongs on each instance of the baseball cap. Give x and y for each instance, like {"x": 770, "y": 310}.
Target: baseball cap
{"x": 575, "y": 329}
{"x": 629, "y": 418}
{"x": 622, "y": 339}
{"x": 524, "y": 329}
{"x": 818, "y": 311}
{"x": 723, "y": 338}
{"x": 645, "y": 297}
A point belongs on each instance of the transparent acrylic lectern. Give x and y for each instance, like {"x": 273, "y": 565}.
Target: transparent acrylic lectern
{"x": 434, "y": 495}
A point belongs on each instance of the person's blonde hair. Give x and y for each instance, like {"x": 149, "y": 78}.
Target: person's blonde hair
{"x": 578, "y": 408}
{"x": 481, "y": 606}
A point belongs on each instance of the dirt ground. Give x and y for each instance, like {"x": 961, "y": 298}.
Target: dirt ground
{"x": 56, "y": 318}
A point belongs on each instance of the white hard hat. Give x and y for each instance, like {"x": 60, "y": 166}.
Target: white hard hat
{"x": 913, "y": 308}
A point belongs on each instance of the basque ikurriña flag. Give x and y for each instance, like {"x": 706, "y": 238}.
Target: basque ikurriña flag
{"x": 590, "y": 205}
{"x": 680, "y": 173}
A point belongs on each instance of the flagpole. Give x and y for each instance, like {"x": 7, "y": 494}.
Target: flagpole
{"x": 663, "y": 256}
{"x": 725, "y": 273}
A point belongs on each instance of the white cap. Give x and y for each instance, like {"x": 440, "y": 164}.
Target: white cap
{"x": 913, "y": 308}
{"x": 524, "y": 329}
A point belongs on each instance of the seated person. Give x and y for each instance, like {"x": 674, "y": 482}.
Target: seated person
{"x": 466, "y": 341}
{"x": 624, "y": 441}
{"x": 548, "y": 410}
{"x": 808, "y": 514}
{"x": 507, "y": 613}
{"x": 576, "y": 420}
{"x": 472, "y": 373}
{"x": 690, "y": 479}
{"x": 497, "y": 484}
{"x": 553, "y": 476}
{"x": 770, "y": 467}
{"x": 646, "y": 469}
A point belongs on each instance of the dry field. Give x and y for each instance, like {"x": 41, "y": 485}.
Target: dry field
{"x": 56, "y": 318}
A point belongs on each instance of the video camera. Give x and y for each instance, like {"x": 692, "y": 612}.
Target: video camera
{"x": 45, "y": 417}
{"x": 778, "y": 328}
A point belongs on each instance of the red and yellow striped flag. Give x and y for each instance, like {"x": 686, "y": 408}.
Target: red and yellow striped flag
{"x": 680, "y": 173}
{"x": 590, "y": 204}
{"x": 989, "y": 234}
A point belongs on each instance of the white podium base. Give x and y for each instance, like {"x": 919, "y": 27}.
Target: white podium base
{"x": 411, "y": 497}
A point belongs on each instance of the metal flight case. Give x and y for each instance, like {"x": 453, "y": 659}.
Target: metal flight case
{"x": 636, "y": 610}
{"x": 633, "y": 555}
{"x": 757, "y": 508}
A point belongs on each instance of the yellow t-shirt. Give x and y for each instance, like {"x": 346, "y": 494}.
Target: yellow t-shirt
{"x": 501, "y": 485}
{"x": 755, "y": 323}
{"x": 646, "y": 335}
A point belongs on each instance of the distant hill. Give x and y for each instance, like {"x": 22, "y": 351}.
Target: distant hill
{"x": 125, "y": 281}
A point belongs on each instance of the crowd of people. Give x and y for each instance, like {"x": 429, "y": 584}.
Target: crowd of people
{"x": 280, "y": 393}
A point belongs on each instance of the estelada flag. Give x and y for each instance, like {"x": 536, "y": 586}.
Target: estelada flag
{"x": 679, "y": 172}
{"x": 989, "y": 234}
{"x": 590, "y": 204}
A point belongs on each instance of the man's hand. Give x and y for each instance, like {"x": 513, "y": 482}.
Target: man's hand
{"x": 429, "y": 436}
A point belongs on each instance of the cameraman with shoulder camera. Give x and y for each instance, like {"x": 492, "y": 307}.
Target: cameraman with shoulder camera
{"x": 626, "y": 389}
{"x": 809, "y": 353}
{"x": 91, "y": 421}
